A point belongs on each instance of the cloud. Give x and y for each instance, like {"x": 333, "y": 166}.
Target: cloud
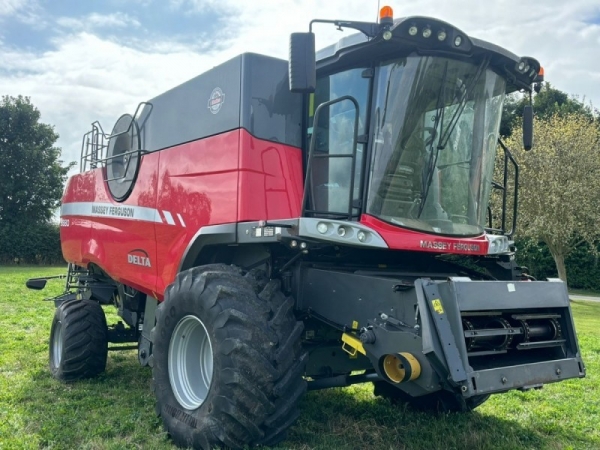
{"x": 95, "y": 20}
{"x": 86, "y": 78}
{"x": 89, "y": 75}
{"x": 26, "y": 12}
{"x": 11, "y": 7}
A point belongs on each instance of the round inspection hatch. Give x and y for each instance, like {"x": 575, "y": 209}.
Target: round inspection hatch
{"x": 123, "y": 159}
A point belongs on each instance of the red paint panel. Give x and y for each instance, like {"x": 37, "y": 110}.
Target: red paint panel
{"x": 399, "y": 238}
{"x": 106, "y": 241}
{"x": 227, "y": 178}
{"x": 198, "y": 181}
{"x": 113, "y": 238}
{"x": 271, "y": 180}
{"x": 76, "y": 231}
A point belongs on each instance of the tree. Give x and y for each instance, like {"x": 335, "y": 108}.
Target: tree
{"x": 31, "y": 174}
{"x": 31, "y": 184}
{"x": 511, "y": 113}
{"x": 551, "y": 101}
{"x": 548, "y": 102}
{"x": 559, "y": 184}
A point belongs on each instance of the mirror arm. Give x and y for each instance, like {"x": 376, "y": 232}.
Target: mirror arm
{"x": 369, "y": 29}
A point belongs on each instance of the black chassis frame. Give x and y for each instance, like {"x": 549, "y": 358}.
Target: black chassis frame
{"x": 398, "y": 309}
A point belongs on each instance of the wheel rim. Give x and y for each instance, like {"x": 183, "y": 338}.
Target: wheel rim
{"x": 190, "y": 362}
{"x": 57, "y": 344}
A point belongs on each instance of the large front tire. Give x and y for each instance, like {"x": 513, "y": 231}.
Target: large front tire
{"x": 78, "y": 340}
{"x": 227, "y": 361}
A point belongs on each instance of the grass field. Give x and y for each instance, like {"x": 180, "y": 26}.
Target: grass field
{"x": 116, "y": 410}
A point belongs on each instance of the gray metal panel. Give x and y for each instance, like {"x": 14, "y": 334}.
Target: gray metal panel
{"x": 494, "y": 295}
{"x": 345, "y": 42}
{"x": 446, "y": 335}
{"x": 308, "y": 228}
{"x": 390, "y": 341}
{"x": 343, "y": 297}
{"x": 269, "y": 110}
{"x": 257, "y": 232}
{"x": 182, "y": 114}
{"x": 532, "y": 375}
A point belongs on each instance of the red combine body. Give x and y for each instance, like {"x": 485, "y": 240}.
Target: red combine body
{"x": 193, "y": 176}
{"x": 270, "y": 227}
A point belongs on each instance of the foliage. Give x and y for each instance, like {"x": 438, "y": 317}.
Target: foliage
{"x": 547, "y": 103}
{"x": 30, "y": 244}
{"x": 116, "y": 410}
{"x": 31, "y": 174}
{"x": 559, "y": 185}
{"x": 551, "y": 101}
{"x": 582, "y": 265}
{"x": 511, "y": 113}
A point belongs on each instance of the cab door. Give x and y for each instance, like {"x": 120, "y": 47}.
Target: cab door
{"x": 338, "y": 124}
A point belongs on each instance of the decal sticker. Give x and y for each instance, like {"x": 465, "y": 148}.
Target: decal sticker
{"x": 113, "y": 211}
{"x": 140, "y": 213}
{"x": 139, "y": 257}
{"x": 437, "y": 306}
{"x": 450, "y": 246}
{"x": 216, "y": 100}
{"x": 64, "y": 222}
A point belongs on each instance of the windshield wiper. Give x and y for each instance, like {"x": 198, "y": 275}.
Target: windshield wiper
{"x": 445, "y": 135}
{"x": 387, "y": 91}
{"x": 466, "y": 92}
{"x": 433, "y": 155}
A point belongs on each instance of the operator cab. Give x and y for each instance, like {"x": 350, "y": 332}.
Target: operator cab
{"x": 403, "y": 126}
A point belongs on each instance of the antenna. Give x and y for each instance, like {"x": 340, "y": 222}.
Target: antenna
{"x": 377, "y": 12}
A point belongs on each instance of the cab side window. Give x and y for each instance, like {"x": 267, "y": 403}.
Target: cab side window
{"x": 334, "y": 135}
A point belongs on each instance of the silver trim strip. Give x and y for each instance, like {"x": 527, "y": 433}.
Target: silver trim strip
{"x": 96, "y": 209}
{"x": 307, "y": 227}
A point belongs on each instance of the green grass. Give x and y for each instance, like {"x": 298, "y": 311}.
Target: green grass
{"x": 116, "y": 410}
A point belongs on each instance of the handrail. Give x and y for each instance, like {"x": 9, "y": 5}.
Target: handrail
{"x": 96, "y": 141}
{"x": 508, "y": 158}
{"x": 308, "y": 184}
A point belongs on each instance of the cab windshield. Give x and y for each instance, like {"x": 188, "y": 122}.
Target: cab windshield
{"x": 436, "y": 127}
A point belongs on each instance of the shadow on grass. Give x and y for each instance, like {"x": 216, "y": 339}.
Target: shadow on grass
{"x": 352, "y": 418}
{"x": 116, "y": 410}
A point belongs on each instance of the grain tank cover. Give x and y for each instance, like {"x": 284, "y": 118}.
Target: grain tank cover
{"x": 249, "y": 91}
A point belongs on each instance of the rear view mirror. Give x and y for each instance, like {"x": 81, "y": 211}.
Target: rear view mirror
{"x": 527, "y": 127}
{"x": 302, "y": 63}
{"x": 36, "y": 283}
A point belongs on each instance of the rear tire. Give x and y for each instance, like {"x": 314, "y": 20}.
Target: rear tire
{"x": 436, "y": 402}
{"x": 78, "y": 341}
{"x": 249, "y": 392}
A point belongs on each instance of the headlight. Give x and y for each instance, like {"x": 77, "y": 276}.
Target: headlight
{"x": 497, "y": 244}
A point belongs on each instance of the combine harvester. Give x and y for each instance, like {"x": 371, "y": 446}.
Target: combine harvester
{"x": 271, "y": 227}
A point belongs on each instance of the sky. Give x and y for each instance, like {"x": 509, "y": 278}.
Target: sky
{"x": 86, "y": 60}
